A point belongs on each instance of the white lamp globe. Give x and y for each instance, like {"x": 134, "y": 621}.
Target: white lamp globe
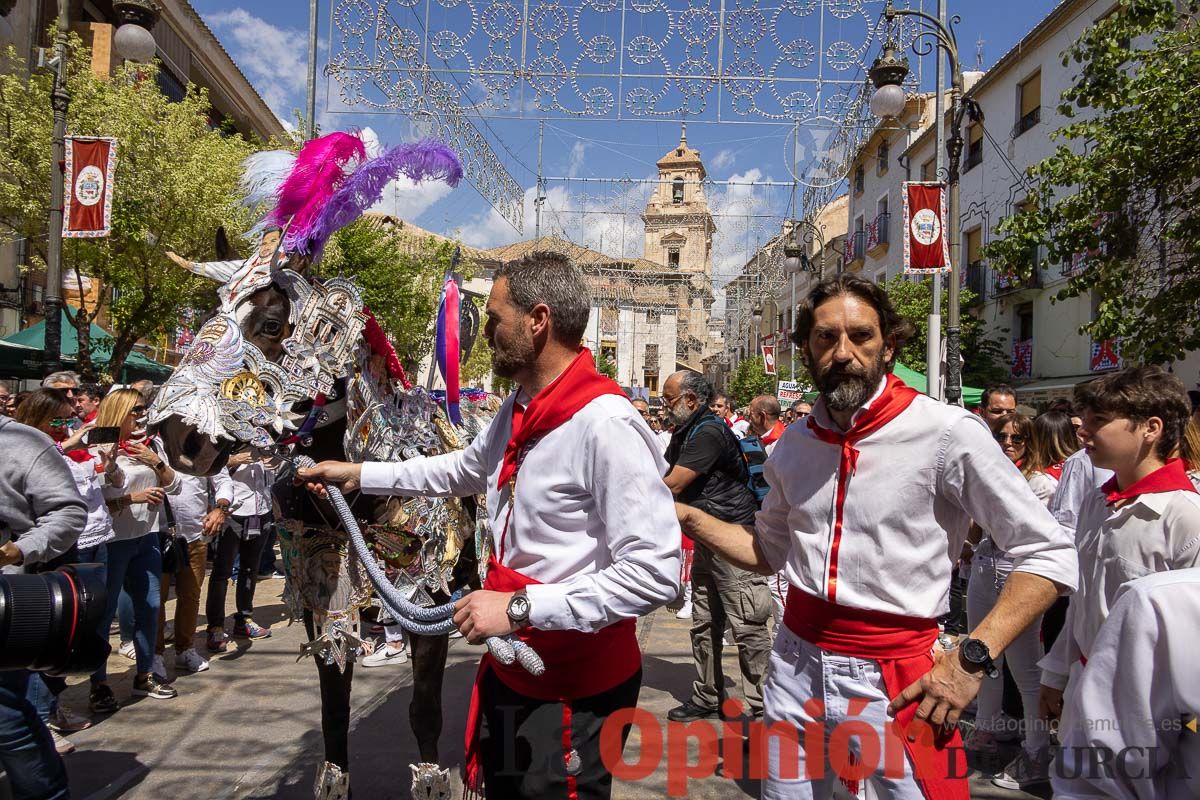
{"x": 888, "y": 101}
{"x": 135, "y": 43}
{"x": 793, "y": 265}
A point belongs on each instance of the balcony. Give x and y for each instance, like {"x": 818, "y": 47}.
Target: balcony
{"x": 877, "y": 233}
{"x": 1006, "y": 283}
{"x": 975, "y": 279}
{"x": 856, "y": 247}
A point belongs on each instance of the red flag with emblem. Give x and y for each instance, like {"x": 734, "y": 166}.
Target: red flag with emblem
{"x": 88, "y": 173}
{"x": 926, "y": 247}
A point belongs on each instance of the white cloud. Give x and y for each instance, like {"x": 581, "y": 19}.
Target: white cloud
{"x": 578, "y": 151}
{"x": 721, "y": 160}
{"x": 274, "y": 59}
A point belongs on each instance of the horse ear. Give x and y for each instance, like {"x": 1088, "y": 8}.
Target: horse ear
{"x": 225, "y": 251}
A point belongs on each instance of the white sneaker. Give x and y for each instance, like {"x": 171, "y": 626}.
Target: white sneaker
{"x": 685, "y": 612}
{"x": 159, "y": 669}
{"x": 126, "y": 649}
{"x": 386, "y": 655}
{"x": 61, "y": 743}
{"x": 191, "y": 660}
{"x": 456, "y": 634}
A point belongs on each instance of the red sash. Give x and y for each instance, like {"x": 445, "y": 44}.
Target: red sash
{"x": 1055, "y": 470}
{"x": 903, "y": 648}
{"x": 896, "y": 397}
{"x": 578, "y": 665}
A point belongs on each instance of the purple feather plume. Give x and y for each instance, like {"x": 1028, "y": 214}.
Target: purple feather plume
{"x": 308, "y": 188}
{"x": 425, "y": 160}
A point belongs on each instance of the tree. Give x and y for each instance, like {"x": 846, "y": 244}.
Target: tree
{"x": 985, "y": 361}
{"x": 175, "y": 185}
{"x": 1118, "y": 203}
{"x": 401, "y": 288}
{"x": 750, "y": 380}
{"x": 605, "y": 366}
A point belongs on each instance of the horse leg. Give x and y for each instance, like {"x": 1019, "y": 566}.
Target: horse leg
{"x": 335, "y": 712}
{"x": 425, "y": 710}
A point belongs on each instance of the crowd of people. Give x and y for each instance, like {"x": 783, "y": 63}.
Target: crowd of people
{"x": 874, "y": 555}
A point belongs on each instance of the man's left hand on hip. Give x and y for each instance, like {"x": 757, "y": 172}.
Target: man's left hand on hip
{"x": 482, "y": 614}
{"x": 941, "y": 694}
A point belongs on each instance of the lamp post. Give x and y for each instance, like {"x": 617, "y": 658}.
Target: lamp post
{"x": 796, "y": 260}
{"x": 888, "y": 74}
{"x": 133, "y": 42}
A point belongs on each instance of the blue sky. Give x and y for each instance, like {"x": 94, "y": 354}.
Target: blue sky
{"x": 268, "y": 40}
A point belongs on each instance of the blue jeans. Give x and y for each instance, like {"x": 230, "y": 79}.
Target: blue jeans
{"x": 35, "y": 770}
{"x": 136, "y": 566}
{"x": 40, "y": 696}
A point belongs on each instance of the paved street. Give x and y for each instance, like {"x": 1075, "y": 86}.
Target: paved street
{"x": 249, "y": 727}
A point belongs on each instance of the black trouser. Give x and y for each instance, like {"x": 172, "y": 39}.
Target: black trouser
{"x": 521, "y": 741}
{"x": 335, "y": 703}
{"x": 248, "y": 552}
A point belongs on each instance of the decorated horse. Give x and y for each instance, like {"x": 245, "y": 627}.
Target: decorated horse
{"x": 296, "y": 368}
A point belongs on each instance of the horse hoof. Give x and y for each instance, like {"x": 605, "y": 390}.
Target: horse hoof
{"x": 430, "y": 782}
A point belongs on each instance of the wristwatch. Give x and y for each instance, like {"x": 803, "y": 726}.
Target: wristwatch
{"x": 519, "y": 608}
{"x": 976, "y": 657}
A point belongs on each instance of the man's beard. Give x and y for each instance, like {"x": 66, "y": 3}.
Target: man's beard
{"x": 511, "y": 357}
{"x": 847, "y": 387}
{"x": 680, "y": 414}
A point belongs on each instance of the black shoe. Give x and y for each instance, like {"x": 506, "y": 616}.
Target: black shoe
{"x": 690, "y": 712}
{"x": 102, "y": 700}
{"x": 150, "y": 686}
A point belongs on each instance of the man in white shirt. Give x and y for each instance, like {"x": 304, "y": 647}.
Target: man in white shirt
{"x": 868, "y": 508}
{"x": 1145, "y": 519}
{"x": 243, "y": 539}
{"x": 1080, "y": 479}
{"x": 722, "y": 406}
{"x": 1134, "y": 735}
{"x": 585, "y": 539}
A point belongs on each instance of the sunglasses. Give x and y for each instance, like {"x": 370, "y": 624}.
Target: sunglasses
{"x": 137, "y": 411}
{"x": 1015, "y": 438}
{"x": 61, "y": 422}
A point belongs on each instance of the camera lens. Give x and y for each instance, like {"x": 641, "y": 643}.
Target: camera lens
{"x": 50, "y": 622}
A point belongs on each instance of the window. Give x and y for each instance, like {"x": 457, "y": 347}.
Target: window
{"x": 929, "y": 170}
{"x": 974, "y": 145}
{"x": 677, "y": 191}
{"x": 974, "y": 246}
{"x": 1024, "y": 322}
{"x": 881, "y": 158}
{"x": 650, "y": 381}
{"x": 1029, "y": 103}
{"x": 673, "y": 258}
{"x": 881, "y": 207}
{"x": 858, "y": 179}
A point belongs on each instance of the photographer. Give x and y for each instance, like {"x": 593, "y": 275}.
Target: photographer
{"x": 41, "y": 514}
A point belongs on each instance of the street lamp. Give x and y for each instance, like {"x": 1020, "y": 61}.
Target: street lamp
{"x": 888, "y": 75}
{"x": 133, "y": 39}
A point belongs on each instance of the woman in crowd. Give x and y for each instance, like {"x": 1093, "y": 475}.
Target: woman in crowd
{"x": 990, "y": 568}
{"x": 134, "y": 559}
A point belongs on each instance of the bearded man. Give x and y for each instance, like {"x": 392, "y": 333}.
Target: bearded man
{"x": 869, "y": 505}
{"x": 584, "y": 540}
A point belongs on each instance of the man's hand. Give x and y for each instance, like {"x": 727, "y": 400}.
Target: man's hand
{"x": 943, "y": 692}
{"x": 213, "y": 523}
{"x": 344, "y": 474}
{"x": 1050, "y": 703}
{"x": 482, "y": 614}
{"x": 10, "y": 554}
{"x": 152, "y": 496}
{"x": 73, "y": 441}
{"x": 239, "y": 459}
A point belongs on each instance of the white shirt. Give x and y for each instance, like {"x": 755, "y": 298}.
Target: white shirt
{"x": 920, "y": 480}
{"x": 251, "y": 490}
{"x": 90, "y": 483}
{"x": 1079, "y": 477}
{"x": 739, "y": 425}
{"x": 1137, "y": 692}
{"x": 664, "y": 441}
{"x": 1151, "y": 533}
{"x": 192, "y": 502}
{"x": 138, "y": 519}
{"x": 592, "y": 519}
{"x": 1044, "y": 487}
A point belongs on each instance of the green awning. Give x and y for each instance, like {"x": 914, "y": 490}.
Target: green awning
{"x": 21, "y": 355}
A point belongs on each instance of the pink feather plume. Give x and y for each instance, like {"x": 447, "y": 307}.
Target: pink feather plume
{"x": 320, "y": 169}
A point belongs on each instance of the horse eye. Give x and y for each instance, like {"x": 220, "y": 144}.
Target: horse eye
{"x": 271, "y": 327}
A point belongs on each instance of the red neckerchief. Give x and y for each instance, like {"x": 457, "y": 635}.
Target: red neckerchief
{"x": 896, "y": 397}
{"x": 1055, "y": 470}
{"x": 772, "y": 436}
{"x": 578, "y": 385}
{"x": 1171, "y": 477}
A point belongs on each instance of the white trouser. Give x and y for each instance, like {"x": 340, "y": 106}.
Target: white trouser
{"x": 393, "y": 635}
{"x": 850, "y": 693}
{"x": 989, "y": 572}
{"x": 778, "y": 584}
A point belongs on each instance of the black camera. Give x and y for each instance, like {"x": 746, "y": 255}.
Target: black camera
{"x": 50, "y": 622}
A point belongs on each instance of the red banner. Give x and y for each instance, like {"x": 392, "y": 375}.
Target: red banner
{"x": 926, "y": 245}
{"x": 768, "y": 355}
{"x": 88, "y": 178}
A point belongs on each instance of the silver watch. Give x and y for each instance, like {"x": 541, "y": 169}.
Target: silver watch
{"x": 519, "y": 608}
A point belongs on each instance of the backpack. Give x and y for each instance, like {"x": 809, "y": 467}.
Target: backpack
{"x": 754, "y": 455}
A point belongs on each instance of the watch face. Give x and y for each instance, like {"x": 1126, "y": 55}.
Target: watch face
{"x": 518, "y": 607}
{"x": 975, "y": 651}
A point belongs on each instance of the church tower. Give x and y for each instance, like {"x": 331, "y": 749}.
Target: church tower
{"x": 679, "y": 234}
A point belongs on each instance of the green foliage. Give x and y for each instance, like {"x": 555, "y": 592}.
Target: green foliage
{"x": 401, "y": 288}
{"x": 605, "y": 366}
{"x": 175, "y": 184}
{"x": 1120, "y": 196}
{"x": 479, "y": 362}
{"x": 984, "y": 360}
{"x": 749, "y": 380}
